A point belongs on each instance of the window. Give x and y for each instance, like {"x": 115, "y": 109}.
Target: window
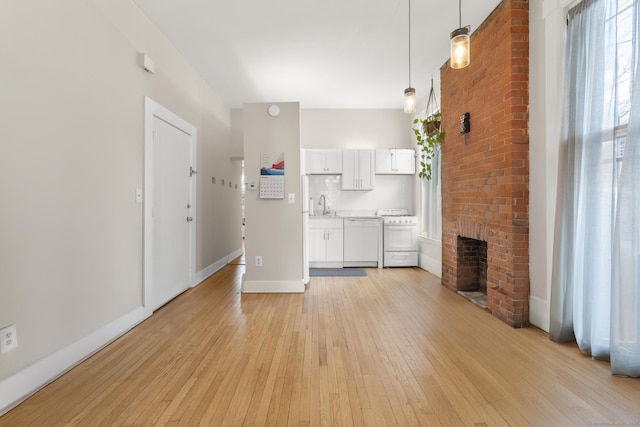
{"x": 431, "y": 200}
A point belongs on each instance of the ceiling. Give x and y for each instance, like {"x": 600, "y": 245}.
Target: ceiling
{"x": 322, "y": 53}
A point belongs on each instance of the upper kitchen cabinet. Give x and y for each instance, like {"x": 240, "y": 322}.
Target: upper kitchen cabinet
{"x": 358, "y": 169}
{"x": 396, "y": 161}
{"x": 323, "y": 161}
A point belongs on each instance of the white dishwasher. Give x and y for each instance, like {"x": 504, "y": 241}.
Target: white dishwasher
{"x": 361, "y": 240}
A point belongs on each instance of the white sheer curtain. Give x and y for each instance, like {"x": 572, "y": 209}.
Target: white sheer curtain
{"x": 625, "y": 283}
{"x": 589, "y": 298}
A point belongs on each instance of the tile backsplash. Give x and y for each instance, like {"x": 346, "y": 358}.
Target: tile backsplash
{"x": 391, "y": 191}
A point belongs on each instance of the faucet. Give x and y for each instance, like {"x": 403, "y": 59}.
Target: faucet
{"x": 323, "y": 202}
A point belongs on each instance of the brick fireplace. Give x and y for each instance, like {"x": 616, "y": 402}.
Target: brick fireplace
{"x": 485, "y": 177}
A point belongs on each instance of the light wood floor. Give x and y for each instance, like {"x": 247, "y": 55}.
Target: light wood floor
{"x": 393, "y": 348}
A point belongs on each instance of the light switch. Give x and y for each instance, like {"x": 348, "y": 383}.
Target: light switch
{"x": 138, "y": 195}
{"x": 292, "y": 198}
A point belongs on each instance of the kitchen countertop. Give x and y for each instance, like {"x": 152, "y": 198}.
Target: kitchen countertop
{"x": 348, "y": 214}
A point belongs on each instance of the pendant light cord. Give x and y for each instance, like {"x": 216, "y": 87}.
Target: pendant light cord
{"x": 409, "y": 43}
{"x": 432, "y": 102}
{"x": 460, "y": 13}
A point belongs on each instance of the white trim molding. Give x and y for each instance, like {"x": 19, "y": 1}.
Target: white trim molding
{"x": 431, "y": 265}
{"x": 539, "y": 310}
{"x": 272, "y": 286}
{"x": 430, "y": 255}
{"x": 18, "y": 387}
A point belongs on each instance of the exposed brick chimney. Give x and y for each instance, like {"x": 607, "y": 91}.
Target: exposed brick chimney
{"x": 485, "y": 180}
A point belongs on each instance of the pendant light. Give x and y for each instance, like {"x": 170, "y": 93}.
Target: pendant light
{"x": 409, "y": 93}
{"x": 460, "y": 43}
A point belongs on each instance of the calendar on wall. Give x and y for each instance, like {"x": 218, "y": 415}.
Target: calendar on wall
{"x": 272, "y": 175}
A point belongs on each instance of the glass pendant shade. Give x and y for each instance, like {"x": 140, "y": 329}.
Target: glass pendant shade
{"x": 460, "y": 48}
{"x": 409, "y": 100}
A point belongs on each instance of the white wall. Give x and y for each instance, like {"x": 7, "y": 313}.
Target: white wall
{"x": 273, "y": 226}
{"x": 71, "y": 157}
{"x": 355, "y": 129}
{"x": 538, "y": 171}
{"x": 547, "y": 28}
{"x": 237, "y": 133}
{"x": 342, "y": 128}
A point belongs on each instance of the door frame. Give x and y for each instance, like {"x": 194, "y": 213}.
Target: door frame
{"x": 154, "y": 110}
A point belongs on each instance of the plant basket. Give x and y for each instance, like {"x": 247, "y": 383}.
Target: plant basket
{"x": 431, "y": 126}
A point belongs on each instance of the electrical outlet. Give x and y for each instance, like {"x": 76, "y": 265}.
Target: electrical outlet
{"x": 8, "y": 338}
{"x": 258, "y": 261}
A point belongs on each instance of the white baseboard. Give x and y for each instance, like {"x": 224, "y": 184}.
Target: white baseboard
{"x": 204, "y": 274}
{"x": 24, "y": 383}
{"x": 272, "y": 286}
{"x": 539, "y": 313}
{"x": 432, "y": 265}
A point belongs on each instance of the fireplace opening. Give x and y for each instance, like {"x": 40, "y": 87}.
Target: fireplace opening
{"x": 472, "y": 270}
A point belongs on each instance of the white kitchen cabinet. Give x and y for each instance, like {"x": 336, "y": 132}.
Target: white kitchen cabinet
{"x": 358, "y": 169}
{"x": 326, "y": 236}
{"x": 323, "y": 161}
{"x": 396, "y": 161}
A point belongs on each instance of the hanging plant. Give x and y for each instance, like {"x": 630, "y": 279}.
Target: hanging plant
{"x": 428, "y": 137}
{"x": 428, "y": 134}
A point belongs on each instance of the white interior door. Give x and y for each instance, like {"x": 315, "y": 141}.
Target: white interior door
{"x": 169, "y": 206}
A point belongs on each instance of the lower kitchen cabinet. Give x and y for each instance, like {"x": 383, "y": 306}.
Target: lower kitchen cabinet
{"x": 326, "y": 237}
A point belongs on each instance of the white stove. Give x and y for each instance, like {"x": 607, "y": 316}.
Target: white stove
{"x": 400, "y": 238}
{"x": 412, "y": 220}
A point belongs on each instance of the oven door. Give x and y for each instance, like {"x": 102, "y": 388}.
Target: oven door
{"x": 400, "y": 238}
